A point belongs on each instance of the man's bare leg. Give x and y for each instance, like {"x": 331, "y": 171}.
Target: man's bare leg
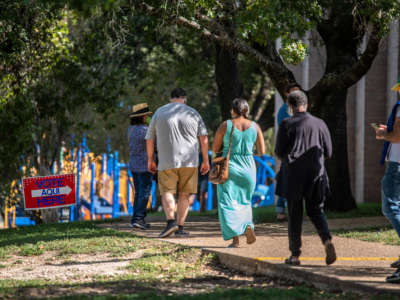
{"x": 168, "y": 202}
{"x": 183, "y": 208}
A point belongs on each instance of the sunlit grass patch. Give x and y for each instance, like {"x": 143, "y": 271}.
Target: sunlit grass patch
{"x": 384, "y": 234}
{"x": 267, "y": 214}
{"x": 67, "y": 239}
{"x": 10, "y": 288}
{"x": 31, "y": 249}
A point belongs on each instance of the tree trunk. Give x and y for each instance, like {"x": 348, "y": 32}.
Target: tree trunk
{"x": 333, "y": 112}
{"x": 266, "y": 119}
{"x": 228, "y": 79}
{"x": 341, "y": 41}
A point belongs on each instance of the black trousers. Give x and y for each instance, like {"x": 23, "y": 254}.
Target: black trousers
{"x": 314, "y": 209}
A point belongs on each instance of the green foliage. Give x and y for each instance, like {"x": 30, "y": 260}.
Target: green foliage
{"x": 262, "y": 22}
{"x": 25, "y": 52}
{"x": 293, "y": 51}
{"x": 69, "y": 68}
{"x": 379, "y": 12}
{"x": 265, "y": 21}
{"x": 51, "y": 71}
{"x": 156, "y": 61}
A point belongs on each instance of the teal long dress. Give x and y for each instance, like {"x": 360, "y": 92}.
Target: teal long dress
{"x": 234, "y": 196}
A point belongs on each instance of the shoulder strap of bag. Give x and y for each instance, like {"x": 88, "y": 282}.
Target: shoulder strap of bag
{"x": 230, "y": 141}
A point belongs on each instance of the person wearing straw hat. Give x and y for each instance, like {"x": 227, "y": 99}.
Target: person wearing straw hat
{"x": 390, "y": 133}
{"x": 142, "y": 178}
{"x": 180, "y": 134}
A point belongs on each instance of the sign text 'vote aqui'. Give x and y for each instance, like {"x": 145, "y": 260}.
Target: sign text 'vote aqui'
{"x": 49, "y": 191}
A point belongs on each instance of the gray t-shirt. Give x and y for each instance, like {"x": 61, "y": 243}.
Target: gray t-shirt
{"x": 176, "y": 128}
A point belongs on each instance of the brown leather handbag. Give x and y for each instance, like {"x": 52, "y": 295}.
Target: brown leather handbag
{"x": 219, "y": 172}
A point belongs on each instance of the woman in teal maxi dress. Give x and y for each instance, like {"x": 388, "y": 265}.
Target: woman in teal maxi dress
{"x": 234, "y": 196}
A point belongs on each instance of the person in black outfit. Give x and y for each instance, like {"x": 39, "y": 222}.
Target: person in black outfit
{"x": 303, "y": 143}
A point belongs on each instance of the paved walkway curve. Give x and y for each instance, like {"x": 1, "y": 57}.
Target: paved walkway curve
{"x": 361, "y": 266}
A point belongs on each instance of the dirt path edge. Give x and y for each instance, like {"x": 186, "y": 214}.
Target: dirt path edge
{"x": 250, "y": 266}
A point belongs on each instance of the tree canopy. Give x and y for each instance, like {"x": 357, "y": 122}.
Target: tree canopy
{"x": 252, "y": 27}
{"x": 69, "y": 68}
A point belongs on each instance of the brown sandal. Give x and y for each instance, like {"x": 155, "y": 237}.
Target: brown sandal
{"x": 233, "y": 245}
{"x": 235, "y": 242}
{"x": 250, "y": 235}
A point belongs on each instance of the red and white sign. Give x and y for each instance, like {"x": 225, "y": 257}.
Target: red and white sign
{"x": 49, "y": 191}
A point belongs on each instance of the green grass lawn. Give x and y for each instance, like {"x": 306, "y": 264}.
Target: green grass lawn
{"x": 161, "y": 271}
{"x": 386, "y": 235}
{"x": 267, "y": 214}
{"x": 236, "y": 294}
{"x": 66, "y": 239}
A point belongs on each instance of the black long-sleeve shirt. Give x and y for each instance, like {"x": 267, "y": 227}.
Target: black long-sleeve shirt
{"x": 303, "y": 143}
{"x": 299, "y": 134}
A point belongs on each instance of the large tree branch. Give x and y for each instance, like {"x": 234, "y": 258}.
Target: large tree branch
{"x": 355, "y": 72}
{"x": 361, "y": 67}
{"x": 259, "y": 98}
{"x": 266, "y": 55}
{"x": 280, "y": 75}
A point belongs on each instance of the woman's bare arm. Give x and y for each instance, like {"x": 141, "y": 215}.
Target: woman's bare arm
{"x": 260, "y": 144}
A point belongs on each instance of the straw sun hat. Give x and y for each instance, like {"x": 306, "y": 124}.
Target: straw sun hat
{"x": 139, "y": 110}
{"x": 396, "y": 87}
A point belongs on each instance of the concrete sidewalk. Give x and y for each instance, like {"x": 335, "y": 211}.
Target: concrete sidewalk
{"x": 361, "y": 266}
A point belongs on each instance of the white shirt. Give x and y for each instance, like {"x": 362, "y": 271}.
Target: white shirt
{"x": 394, "y": 150}
{"x": 176, "y": 128}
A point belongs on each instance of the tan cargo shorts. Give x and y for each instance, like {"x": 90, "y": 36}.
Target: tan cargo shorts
{"x": 182, "y": 180}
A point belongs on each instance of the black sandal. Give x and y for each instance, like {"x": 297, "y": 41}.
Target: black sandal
{"x": 292, "y": 260}
{"x": 396, "y": 264}
{"x": 330, "y": 253}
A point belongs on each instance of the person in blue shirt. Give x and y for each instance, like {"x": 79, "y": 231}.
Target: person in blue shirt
{"x": 202, "y": 187}
{"x": 284, "y": 114}
{"x": 390, "y": 133}
{"x": 142, "y": 178}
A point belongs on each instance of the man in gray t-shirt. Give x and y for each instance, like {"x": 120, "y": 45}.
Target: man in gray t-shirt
{"x": 177, "y": 130}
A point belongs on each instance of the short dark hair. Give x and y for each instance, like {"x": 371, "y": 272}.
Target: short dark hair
{"x": 241, "y": 107}
{"x": 137, "y": 120}
{"x": 297, "y": 99}
{"x": 178, "y": 93}
{"x": 291, "y": 86}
